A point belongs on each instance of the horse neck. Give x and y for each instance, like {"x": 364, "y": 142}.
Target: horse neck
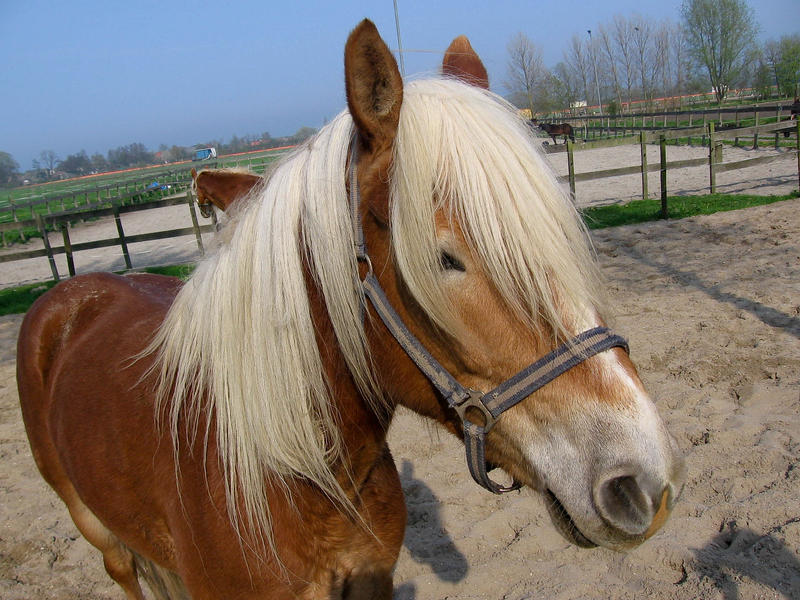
{"x": 362, "y": 425}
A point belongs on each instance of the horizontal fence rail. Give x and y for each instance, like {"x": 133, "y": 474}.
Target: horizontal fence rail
{"x": 712, "y": 139}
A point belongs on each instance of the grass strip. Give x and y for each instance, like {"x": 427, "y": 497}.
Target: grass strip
{"x": 19, "y": 299}
{"x": 678, "y": 207}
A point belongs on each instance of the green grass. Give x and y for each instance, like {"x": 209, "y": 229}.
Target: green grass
{"x": 18, "y": 299}
{"x": 678, "y": 207}
{"x": 180, "y": 271}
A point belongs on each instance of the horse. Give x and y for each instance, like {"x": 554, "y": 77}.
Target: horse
{"x": 226, "y": 437}
{"x": 221, "y": 187}
{"x": 554, "y": 130}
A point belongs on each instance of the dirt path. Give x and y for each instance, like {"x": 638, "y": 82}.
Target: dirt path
{"x": 711, "y": 307}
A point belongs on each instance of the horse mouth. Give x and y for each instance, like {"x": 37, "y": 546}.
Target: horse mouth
{"x": 564, "y": 524}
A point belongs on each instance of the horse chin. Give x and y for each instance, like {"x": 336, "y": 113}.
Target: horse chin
{"x": 205, "y": 210}
{"x": 563, "y": 522}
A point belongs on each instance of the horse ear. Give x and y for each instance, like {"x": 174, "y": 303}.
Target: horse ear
{"x": 462, "y": 62}
{"x": 194, "y": 174}
{"x": 374, "y": 87}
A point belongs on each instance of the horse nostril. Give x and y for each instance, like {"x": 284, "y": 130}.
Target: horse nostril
{"x": 624, "y": 505}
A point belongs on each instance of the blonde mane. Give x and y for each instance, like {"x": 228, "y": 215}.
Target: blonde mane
{"x": 241, "y": 330}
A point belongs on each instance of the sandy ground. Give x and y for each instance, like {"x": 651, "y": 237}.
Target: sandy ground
{"x": 711, "y": 308}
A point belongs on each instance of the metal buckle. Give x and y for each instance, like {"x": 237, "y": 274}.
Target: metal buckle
{"x": 474, "y": 400}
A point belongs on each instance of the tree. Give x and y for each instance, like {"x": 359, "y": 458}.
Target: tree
{"x": 99, "y": 163}
{"x": 623, "y": 37}
{"x": 719, "y": 34}
{"x": 577, "y": 61}
{"x": 9, "y": 169}
{"x": 645, "y": 53}
{"x": 48, "y": 160}
{"x": 76, "y": 164}
{"x": 783, "y": 58}
{"x": 525, "y": 68}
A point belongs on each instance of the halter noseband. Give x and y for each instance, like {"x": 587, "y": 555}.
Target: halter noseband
{"x": 493, "y": 403}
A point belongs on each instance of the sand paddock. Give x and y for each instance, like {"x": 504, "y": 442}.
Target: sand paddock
{"x": 711, "y": 308}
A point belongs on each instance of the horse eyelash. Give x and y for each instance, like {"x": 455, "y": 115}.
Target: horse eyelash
{"x": 448, "y": 262}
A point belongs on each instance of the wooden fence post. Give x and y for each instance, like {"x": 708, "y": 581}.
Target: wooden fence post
{"x": 571, "y": 168}
{"x": 195, "y": 224}
{"x": 643, "y": 148}
{"x": 755, "y": 133}
{"x": 43, "y": 228}
{"x": 663, "y": 146}
{"x": 68, "y": 248}
{"x": 122, "y": 242}
{"x": 797, "y": 142}
{"x": 711, "y": 159}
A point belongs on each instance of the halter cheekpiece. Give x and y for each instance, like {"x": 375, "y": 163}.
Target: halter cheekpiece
{"x": 491, "y": 404}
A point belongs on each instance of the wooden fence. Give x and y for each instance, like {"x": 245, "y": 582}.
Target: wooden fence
{"x": 713, "y": 159}
{"x": 61, "y": 221}
{"x": 662, "y": 118}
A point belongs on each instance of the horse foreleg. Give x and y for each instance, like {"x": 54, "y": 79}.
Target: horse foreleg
{"x": 117, "y": 558}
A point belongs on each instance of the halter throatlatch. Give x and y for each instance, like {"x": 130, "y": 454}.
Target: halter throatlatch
{"x": 491, "y": 404}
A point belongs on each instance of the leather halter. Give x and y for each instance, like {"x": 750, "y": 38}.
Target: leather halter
{"x": 493, "y": 403}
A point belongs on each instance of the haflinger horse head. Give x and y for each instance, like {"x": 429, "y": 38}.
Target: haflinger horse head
{"x": 221, "y": 188}
{"x": 504, "y": 276}
{"x": 419, "y": 252}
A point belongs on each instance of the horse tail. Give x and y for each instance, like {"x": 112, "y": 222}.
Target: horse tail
{"x": 163, "y": 583}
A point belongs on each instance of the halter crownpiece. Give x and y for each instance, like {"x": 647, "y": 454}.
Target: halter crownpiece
{"x": 491, "y": 404}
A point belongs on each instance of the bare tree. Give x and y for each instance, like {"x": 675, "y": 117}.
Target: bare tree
{"x": 578, "y": 63}
{"x": 623, "y": 36}
{"x": 662, "y": 58}
{"x": 569, "y": 86}
{"x": 610, "y": 59}
{"x": 680, "y": 58}
{"x": 719, "y": 34}
{"x": 645, "y": 52}
{"x": 48, "y": 159}
{"x": 525, "y": 68}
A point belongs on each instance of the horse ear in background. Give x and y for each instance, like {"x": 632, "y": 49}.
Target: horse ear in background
{"x": 462, "y": 62}
{"x": 222, "y": 187}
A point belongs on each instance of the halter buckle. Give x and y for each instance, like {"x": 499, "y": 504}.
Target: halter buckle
{"x": 475, "y": 400}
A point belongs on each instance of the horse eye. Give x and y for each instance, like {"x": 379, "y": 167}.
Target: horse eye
{"x": 449, "y": 262}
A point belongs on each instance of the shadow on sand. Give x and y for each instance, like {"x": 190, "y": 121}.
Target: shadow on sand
{"x": 736, "y": 554}
{"x": 426, "y": 540}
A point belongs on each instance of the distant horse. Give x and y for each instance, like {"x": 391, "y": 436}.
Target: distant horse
{"x": 221, "y": 187}
{"x": 553, "y": 130}
{"x": 226, "y": 437}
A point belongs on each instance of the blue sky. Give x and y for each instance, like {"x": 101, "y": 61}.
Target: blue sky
{"x": 96, "y": 75}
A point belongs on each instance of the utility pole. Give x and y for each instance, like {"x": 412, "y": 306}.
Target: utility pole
{"x": 399, "y": 43}
{"x": 594, "y": 62}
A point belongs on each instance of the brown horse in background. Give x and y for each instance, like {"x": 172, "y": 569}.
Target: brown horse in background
{"x": 221, "y": 187}
{"x": 226, "y": 438}
{"x": 554, "y": 130}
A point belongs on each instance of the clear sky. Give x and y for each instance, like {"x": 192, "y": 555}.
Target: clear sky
{"x": 93, "y": 75}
